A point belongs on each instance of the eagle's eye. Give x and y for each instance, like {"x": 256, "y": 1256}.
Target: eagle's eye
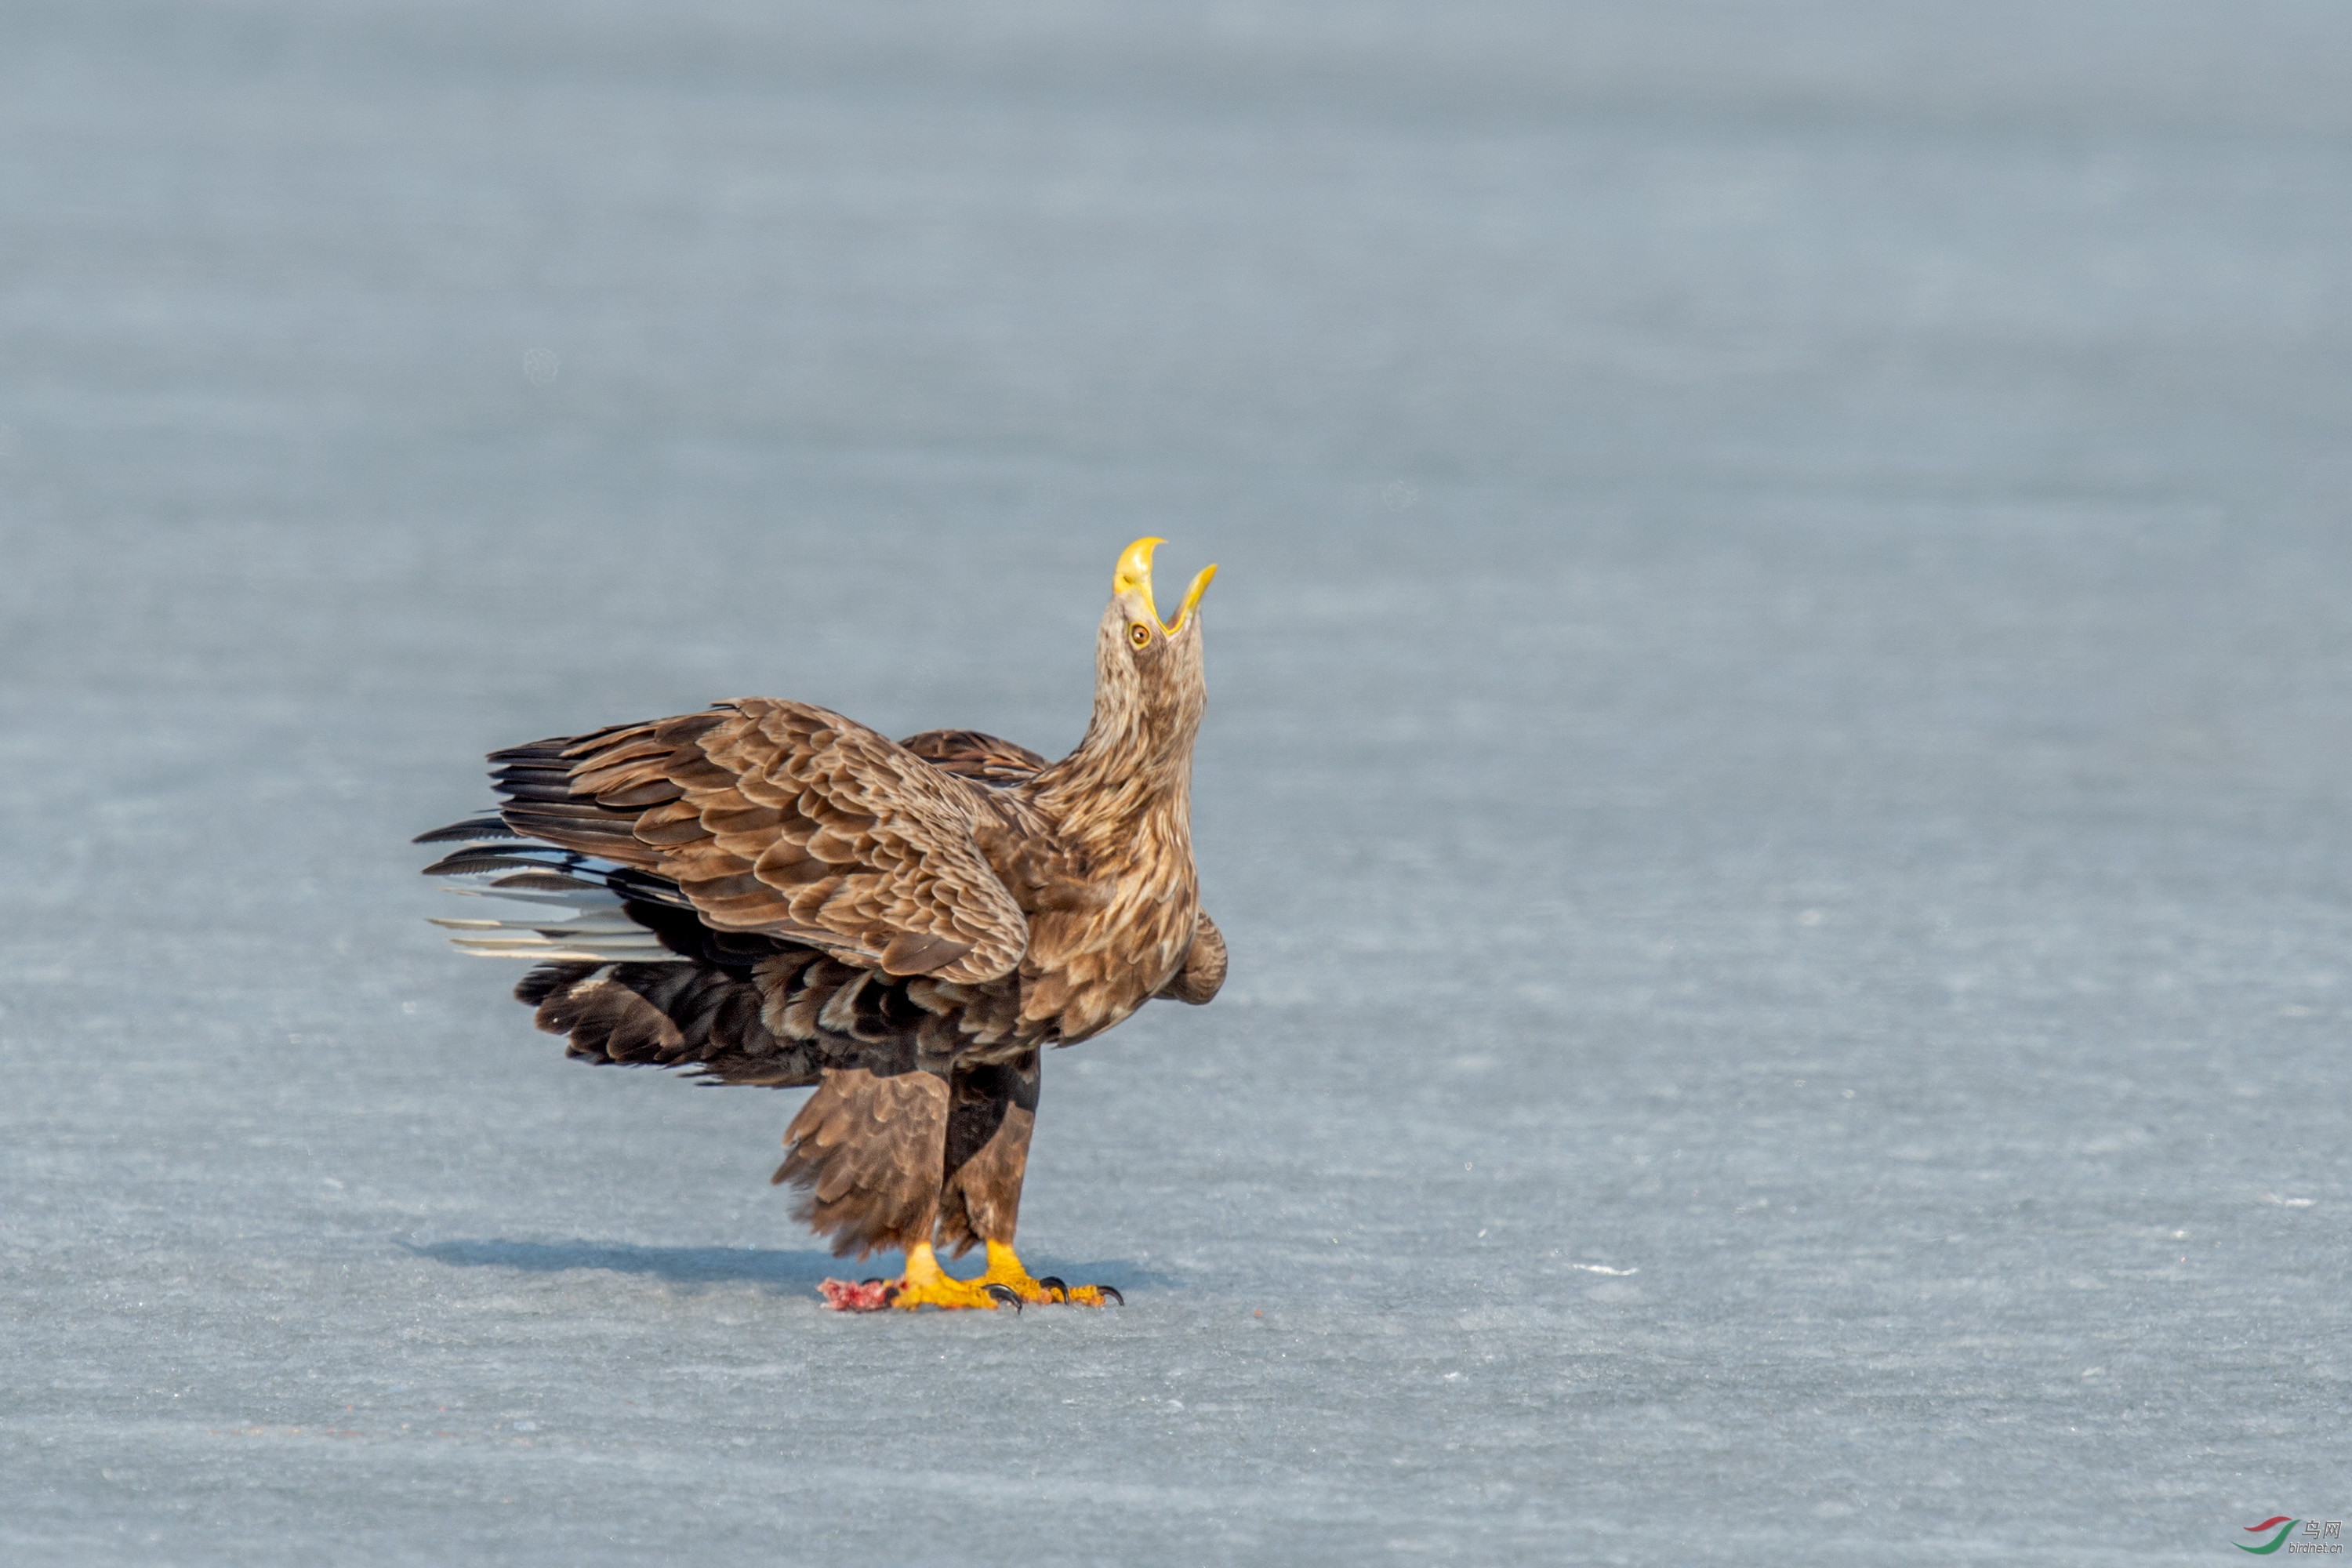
{"x": 1140, "y": 634}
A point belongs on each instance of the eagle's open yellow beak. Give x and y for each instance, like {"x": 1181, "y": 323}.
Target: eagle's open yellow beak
{"x": 1134, "y": 576}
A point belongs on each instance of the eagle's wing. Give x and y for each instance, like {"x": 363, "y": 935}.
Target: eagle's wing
{"x": 784, "y": 819}
{"x": 1204, "y": 973}
{"x": 969, "y": 753}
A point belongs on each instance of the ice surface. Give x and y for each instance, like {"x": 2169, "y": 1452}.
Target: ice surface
{"x": 1776, "y": 777}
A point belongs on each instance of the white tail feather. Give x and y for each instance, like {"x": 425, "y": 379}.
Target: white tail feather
{"x": 582, "y": 927}
{"x": 569, "y": 928}
{"x": 606, "y": 950}
{"x": 567, "y": 954}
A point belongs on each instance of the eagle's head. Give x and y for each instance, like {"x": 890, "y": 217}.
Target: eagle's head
{"x": 1126, "y": 790}
{"x": 1148, "y": 670}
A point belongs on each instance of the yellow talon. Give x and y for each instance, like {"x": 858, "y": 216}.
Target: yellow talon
{"x": 1005, "y": 1269}
{"x": 927, "y": 1285}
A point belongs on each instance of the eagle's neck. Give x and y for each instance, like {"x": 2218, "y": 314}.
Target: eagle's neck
{"x": 1124, "y": 797}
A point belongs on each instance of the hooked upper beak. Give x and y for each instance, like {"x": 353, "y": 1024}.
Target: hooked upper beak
{"x": 1134, "y": 576}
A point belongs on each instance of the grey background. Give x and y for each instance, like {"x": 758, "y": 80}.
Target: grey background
{"x": 1778, "y": 729}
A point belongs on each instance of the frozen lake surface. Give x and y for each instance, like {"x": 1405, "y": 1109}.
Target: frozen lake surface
{"x": 1776, "y": 776}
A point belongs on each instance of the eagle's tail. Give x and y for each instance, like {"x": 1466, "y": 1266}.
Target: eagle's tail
{"x": 627, "y": 971}
{"x": 573, "y": 908}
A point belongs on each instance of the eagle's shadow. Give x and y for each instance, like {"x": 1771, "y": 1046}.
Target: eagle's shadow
{"x": 776, "y": 1269}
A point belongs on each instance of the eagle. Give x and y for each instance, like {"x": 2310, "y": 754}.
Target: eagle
{"x": 769, "y": 893}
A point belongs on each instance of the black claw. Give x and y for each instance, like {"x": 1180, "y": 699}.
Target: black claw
{"x": 1003, "y": 1293}
{"x": 1112, "y": 1291}
{"x": 889, "y": 1294}
{"x": 1052, "y": 1282}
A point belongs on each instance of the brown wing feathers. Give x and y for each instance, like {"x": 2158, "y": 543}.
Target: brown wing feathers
{"x": 969, "y": 754}
{"x": 544, "y": 801}
{"x": 782, "y": 819}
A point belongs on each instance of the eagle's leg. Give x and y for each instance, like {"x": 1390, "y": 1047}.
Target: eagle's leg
{"x": 865, "y": 1152}
{"x": 994, "y": 1112}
